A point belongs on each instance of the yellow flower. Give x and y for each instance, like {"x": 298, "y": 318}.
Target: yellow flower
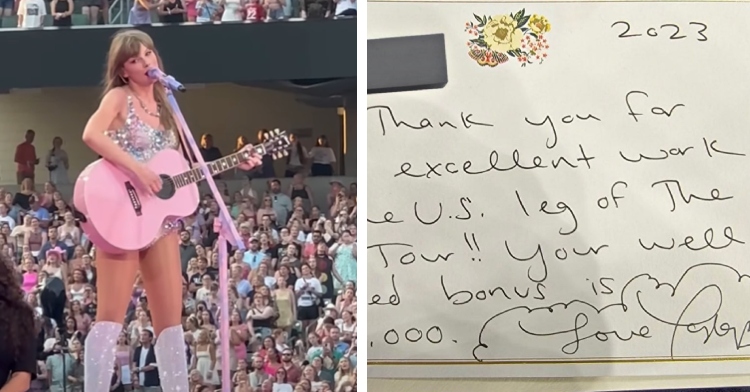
{"x": 539, "y": 24}
{"x": 501, "y": 34}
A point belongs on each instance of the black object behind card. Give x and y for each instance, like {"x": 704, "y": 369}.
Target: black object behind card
{"x": 406, "y": 64}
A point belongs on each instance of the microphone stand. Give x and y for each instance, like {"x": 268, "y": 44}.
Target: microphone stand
{"x": 63, "y": 353}
{"x": 227, "y": 232}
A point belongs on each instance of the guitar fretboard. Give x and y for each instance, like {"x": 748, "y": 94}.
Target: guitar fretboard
{"x": 221, "y": 165}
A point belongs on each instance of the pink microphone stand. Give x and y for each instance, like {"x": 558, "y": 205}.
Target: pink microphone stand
{"x": 227, "y": 232}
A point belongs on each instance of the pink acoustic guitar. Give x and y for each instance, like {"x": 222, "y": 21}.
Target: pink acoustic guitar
{"x": 118, "y": 217}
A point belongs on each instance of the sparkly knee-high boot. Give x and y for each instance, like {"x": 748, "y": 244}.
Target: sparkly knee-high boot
{"x": 99, "y": 356}
{"x": 171, "y": 360}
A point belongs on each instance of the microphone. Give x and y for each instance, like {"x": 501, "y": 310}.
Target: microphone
{"x": 168, "y": 81}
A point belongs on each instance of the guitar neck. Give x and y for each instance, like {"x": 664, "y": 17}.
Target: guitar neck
{"x": 218, "y": 166}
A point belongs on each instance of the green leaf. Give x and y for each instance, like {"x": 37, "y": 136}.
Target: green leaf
{"x": 523, "y": 12}
{"x": 512, "y": 16}
{"x": 477, "y": 18}
{"x": 523, "y": 21}
{"x": 484, "y": 21}
{"x": 533, "y": 35}
{"x": 524, "y": 29}
{"x": 511, "y": 54}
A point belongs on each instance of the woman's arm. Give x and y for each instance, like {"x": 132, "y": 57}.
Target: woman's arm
{"x": 64, "y": 272}
{"x": 244, "y": 334}
{"x": 149, "y": 6}
{"x": 43, "y": 374}
{"x": 94, "y": 133}
{"x": 63, "y": 154}
{"x": 118, "y": 380}
{"x": 294, "y": 305}
{"x": 331, "y": 156}
{"x": 336, "y": 275}
{"x": 25, "y": 366}
{"x": 212, "y": 354}
{"x": 318, "y": 289}
{"x": 263, "y": 315}
{"x": 18, "y": 382}
{"x": 334, "y": 249}
{"x": 234, "y": 337}
{"x": 76, "y": 236}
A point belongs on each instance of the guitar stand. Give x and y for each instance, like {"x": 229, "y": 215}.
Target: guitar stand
{"x": 227, "y": 232}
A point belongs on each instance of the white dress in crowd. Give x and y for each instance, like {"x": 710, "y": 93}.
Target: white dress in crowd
{"x": 203, "y": 365}
{"x": 232, "y": 11}
{"x": 60, "y": 174}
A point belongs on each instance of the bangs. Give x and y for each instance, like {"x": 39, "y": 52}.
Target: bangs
{"x": 127, "y": 44}
{"x": 131, "y": 47}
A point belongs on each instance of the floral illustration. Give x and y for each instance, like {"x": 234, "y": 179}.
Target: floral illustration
{"x": 495, "y": 39}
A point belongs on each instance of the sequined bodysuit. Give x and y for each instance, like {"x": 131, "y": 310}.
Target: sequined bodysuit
{"x": 143, "y": 142}
{"x": 139, "y": 139}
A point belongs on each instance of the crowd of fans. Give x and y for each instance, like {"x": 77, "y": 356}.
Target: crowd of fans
{"x": 292, "y": 292}
{"x": 39, "y": 13}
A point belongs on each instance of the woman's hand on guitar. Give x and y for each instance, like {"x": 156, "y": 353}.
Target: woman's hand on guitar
{"x": 149, "y": 180}
{"x": 254, "y": 161}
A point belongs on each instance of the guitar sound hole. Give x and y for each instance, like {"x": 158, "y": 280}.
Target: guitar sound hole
{"x": 168, "y": 189}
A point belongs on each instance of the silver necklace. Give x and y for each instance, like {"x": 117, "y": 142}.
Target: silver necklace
{"x": 145, "y": 109}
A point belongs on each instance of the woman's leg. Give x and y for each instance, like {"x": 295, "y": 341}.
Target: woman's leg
{"x": 161, "y": 272}
{"x": 115, "y": 277}
{"x": 93, "y": 15}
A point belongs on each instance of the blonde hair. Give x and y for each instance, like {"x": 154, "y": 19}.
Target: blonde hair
{"x": 125, "y": 45}
{"x": 241, "y": 142}
{"x": 27, "y": 184}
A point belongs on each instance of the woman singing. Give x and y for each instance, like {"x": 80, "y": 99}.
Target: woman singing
{"x": 132, "y": 124}
{"x": 17, "y": 334}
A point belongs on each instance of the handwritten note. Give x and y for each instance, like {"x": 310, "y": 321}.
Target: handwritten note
{"x": 573, "y": 203}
